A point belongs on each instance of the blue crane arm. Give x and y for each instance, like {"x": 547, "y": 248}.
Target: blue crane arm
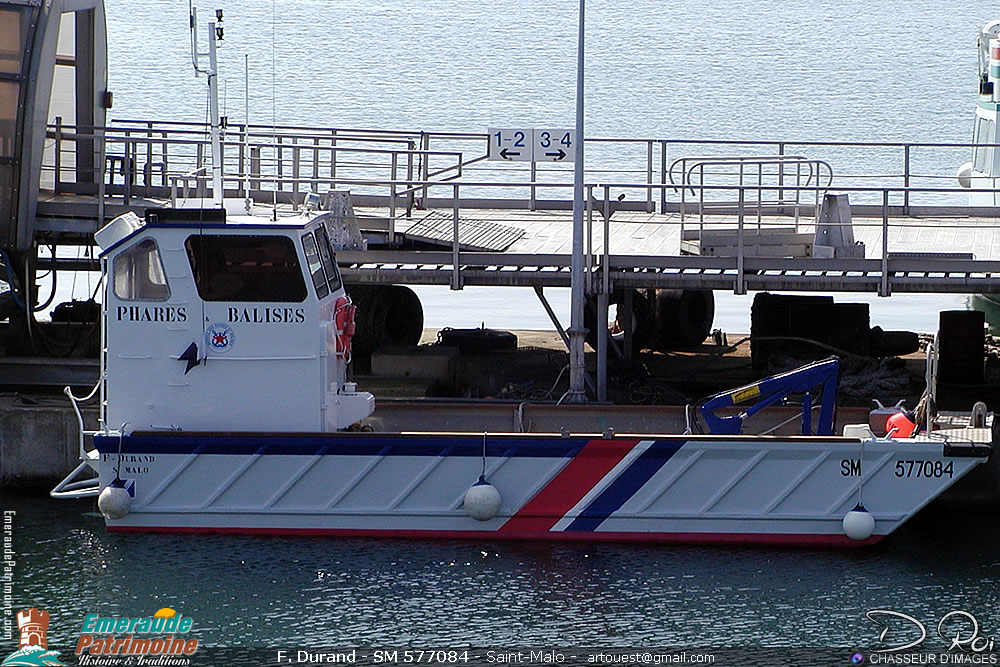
{"x": 773, "y": 389}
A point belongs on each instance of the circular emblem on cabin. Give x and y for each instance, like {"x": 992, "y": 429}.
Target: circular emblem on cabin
{"x": 220, "y": 337}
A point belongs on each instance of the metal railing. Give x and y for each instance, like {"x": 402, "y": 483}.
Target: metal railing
{"x": 647, "y": 160}
{"x": 939, "y": 266}
{"x": 749, "y": 174}
{"x": 144, "y": 154}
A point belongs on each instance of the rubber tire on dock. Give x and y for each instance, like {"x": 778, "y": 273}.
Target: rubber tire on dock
{"x": 683, "y": 317}
{"x": 642, "y": 319}
{"x": 478, "y": 341}
{"x": 386, "y": 315}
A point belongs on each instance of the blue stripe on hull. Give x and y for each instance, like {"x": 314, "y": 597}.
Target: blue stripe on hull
{"x": 349, "y": 444}
{"x": 623, "y": 488}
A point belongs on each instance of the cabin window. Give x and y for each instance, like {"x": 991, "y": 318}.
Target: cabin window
{"x": 245, "y": 268}
{"x": 326, "y": 255}
{"x": 315, "y": 265}
{"x": 139, "y": 274}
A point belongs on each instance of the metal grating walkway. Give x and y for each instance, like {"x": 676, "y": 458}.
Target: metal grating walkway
{"x": 925, "y": 255}
{"x": 762, "y": 273}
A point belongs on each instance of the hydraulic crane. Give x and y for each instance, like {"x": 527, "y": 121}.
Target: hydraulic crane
{"x": 771, "y": 390}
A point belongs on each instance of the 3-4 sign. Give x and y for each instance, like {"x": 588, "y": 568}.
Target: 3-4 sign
{"x": 554, "y": 145}
{"x": 531, "y": 145}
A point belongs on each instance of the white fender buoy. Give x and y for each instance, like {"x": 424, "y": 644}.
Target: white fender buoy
{"x": 482, "y": 500}
{"x": 964, "y": 175}
{"x": 859, "y": 524}
{"x": 114, "y": 501}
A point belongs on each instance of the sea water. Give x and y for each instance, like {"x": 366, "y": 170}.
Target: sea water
{"x": 805, "y": 70}
{"x": 299, "y": 593}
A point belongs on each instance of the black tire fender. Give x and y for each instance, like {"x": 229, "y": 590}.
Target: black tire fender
{"x": 683, "y": 317}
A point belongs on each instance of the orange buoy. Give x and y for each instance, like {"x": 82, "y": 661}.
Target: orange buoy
{"x": 899, "y": 421}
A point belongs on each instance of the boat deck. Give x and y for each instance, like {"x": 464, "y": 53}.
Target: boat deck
{"x": 956, "y": 431}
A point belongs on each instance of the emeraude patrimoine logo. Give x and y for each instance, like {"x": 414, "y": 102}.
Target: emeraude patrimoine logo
{"x": 33, "y": 648}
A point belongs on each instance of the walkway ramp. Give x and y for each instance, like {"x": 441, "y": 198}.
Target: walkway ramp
{"x": 437, "y": 227}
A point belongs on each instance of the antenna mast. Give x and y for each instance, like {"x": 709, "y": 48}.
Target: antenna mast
{"x": 215, "y": 34}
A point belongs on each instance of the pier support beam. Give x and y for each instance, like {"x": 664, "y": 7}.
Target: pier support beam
{"x": 540, "y": 291}
{"x": 602, "y": 347}
{"x": 577, "y": 330}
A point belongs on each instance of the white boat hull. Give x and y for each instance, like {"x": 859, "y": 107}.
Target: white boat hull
{"x": 746, "y": 489}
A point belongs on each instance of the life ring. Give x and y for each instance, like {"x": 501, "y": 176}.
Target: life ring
{"x": 343, "y": 319}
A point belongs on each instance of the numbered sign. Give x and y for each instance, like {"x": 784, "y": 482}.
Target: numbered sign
{"x": 554, "y": 145}
{"x": 527, "y": 145}
{"x": 510, "y": 145}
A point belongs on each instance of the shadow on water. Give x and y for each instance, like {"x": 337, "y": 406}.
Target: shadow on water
{"x": 263, "y": 591}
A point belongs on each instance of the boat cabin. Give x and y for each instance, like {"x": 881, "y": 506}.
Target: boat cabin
{"x": 237, "y": 325}
{"x": 983, "y": 170}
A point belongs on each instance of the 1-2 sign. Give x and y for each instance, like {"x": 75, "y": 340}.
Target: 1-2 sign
{"x": 527, "y": 145}
{"x": 511, "y": 145}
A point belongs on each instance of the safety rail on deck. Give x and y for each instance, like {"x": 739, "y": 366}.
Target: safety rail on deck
{"x": 653, "y": 153}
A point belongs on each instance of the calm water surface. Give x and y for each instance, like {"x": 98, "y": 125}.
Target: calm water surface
{"x": 289, "y": 592}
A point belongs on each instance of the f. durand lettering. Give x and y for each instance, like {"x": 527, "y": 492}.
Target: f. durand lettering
{"x": 151, "y": 313}
{"x": 278, "y": 315}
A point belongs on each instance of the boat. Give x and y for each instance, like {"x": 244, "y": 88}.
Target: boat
{"x": 225, "y": 407}
{"x": 982, "y": 172}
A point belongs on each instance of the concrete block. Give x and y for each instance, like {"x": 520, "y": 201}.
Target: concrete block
{"x": 38, "y": 442}
{"x": 435, "y": 362}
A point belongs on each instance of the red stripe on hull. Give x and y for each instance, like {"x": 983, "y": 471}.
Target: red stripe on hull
{"x": 565, "y": 490}
{"x": 769, "y": 539}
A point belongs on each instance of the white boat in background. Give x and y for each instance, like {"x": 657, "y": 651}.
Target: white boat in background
{"x": 225, "y": 408}
{"x": 983, "y": 170}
